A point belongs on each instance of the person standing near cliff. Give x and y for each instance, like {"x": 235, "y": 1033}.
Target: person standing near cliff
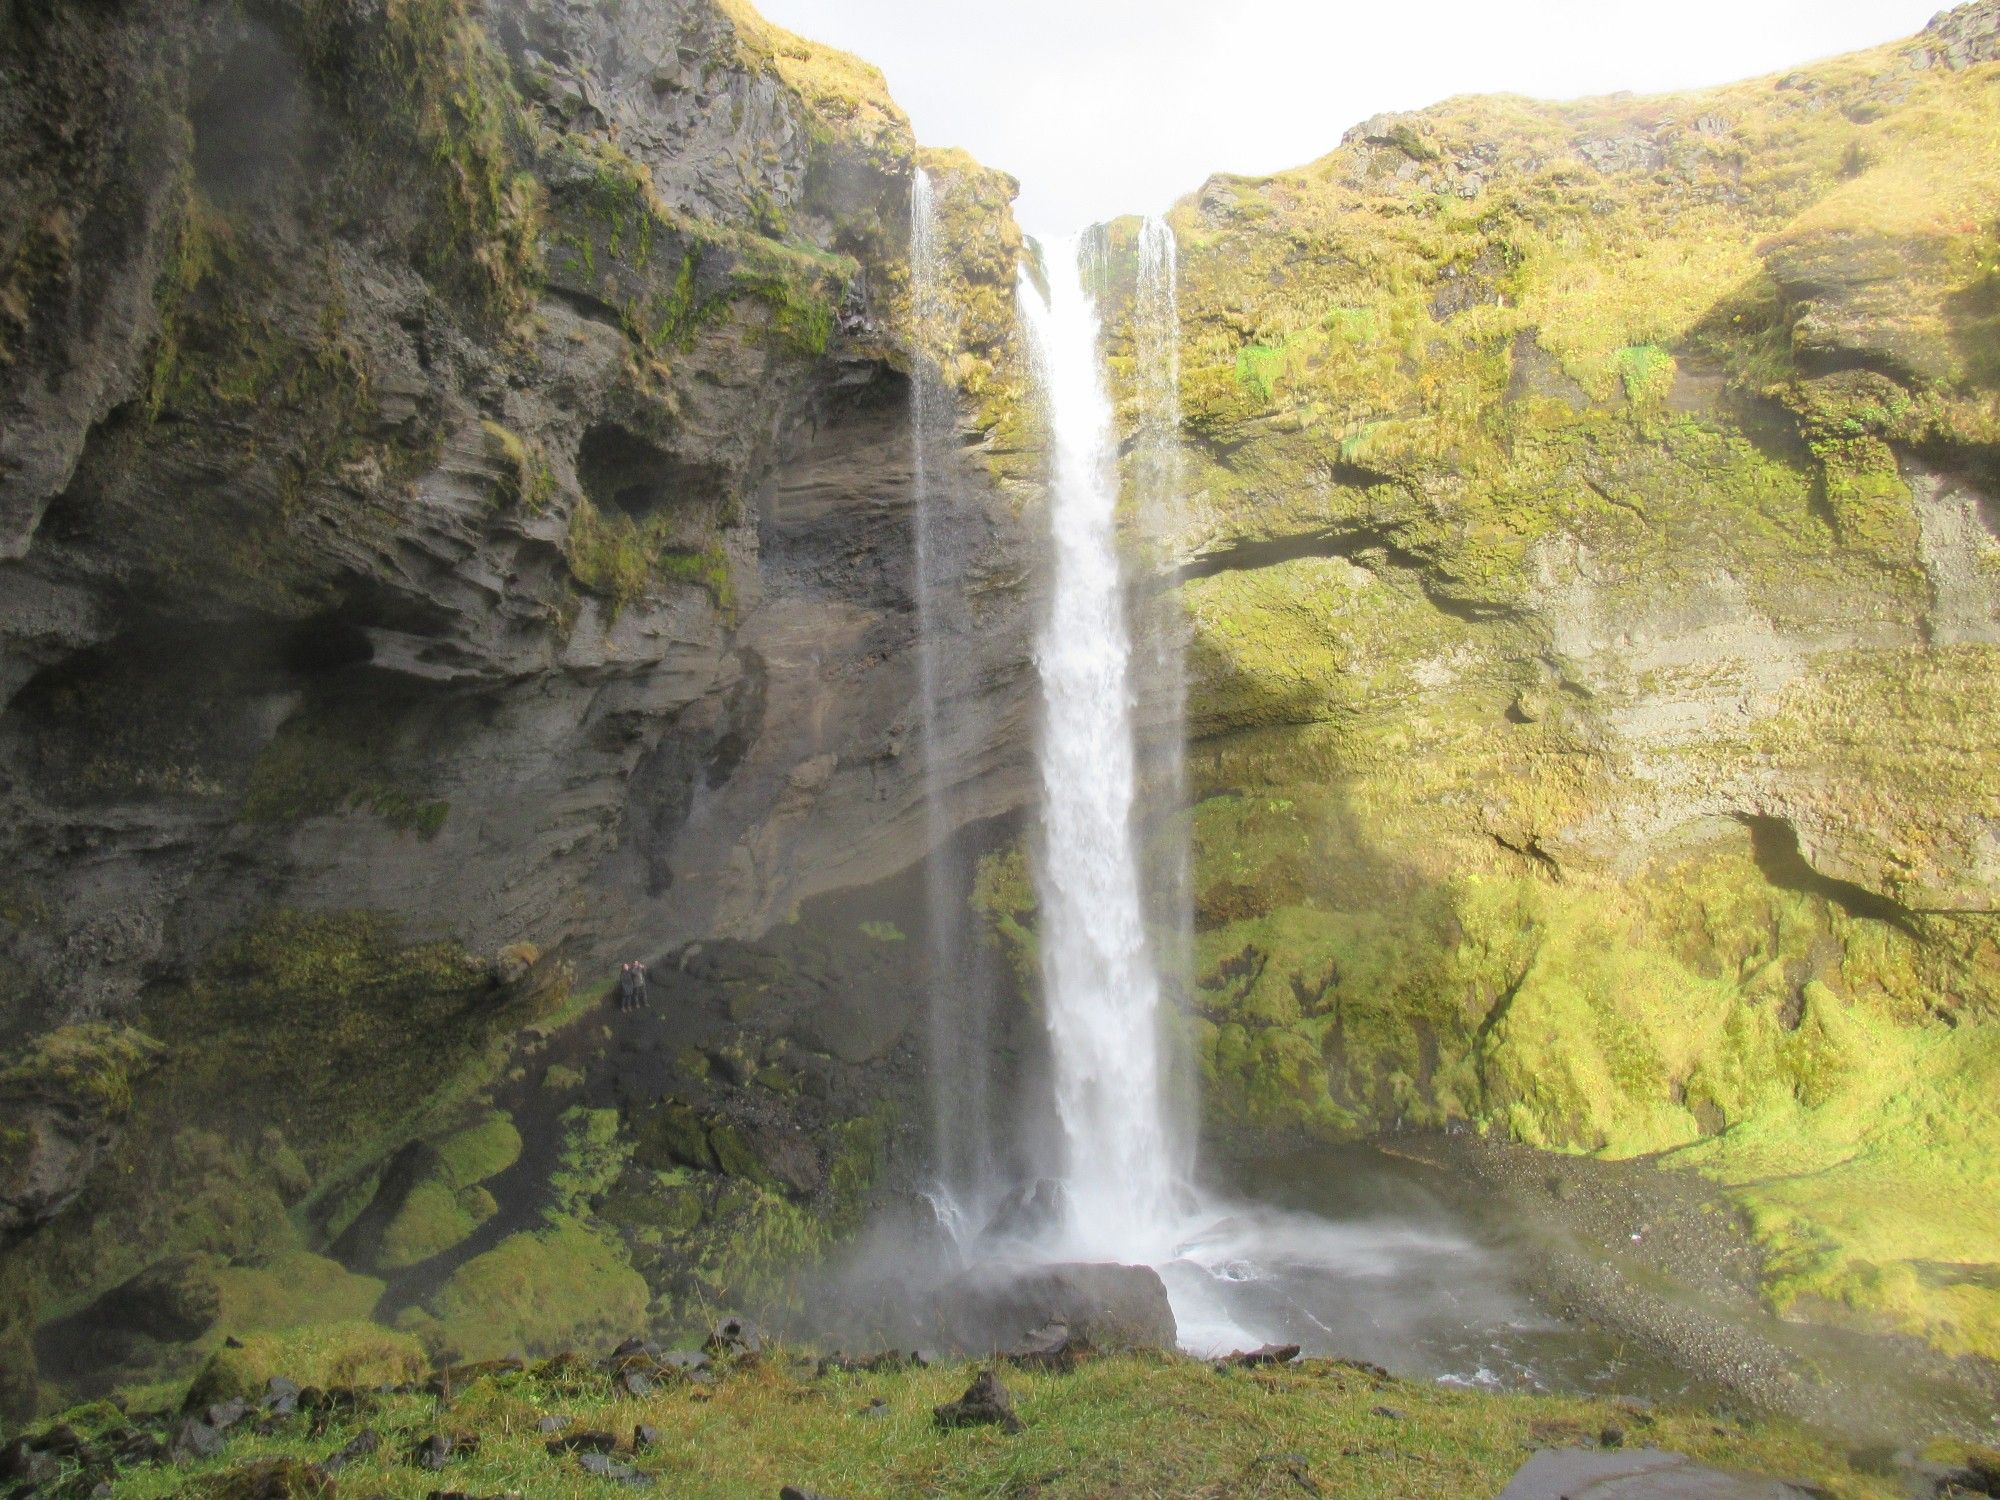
{"x": 628, "y": 985}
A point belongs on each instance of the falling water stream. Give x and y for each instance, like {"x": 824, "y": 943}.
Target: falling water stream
{"x": 1235, "y": 1274}
{"x": 1100, "y": 985}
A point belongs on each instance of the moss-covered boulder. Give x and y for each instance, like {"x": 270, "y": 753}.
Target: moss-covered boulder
{"x": 539, "y": 1291}
{"x": 430, "y": 1196}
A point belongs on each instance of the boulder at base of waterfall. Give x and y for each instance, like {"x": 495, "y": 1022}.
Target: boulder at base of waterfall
{"x": 1110, "y": 1308}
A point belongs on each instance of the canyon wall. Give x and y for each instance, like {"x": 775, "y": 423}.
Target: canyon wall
{"x": 454, "y": 532}
{"x": 1594, "y": 564}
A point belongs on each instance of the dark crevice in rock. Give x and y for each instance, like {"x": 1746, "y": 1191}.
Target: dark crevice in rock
{"x": 621, "y": 471}
{"x": 1774, "y": 844}
{"x": 1366, "y": 546}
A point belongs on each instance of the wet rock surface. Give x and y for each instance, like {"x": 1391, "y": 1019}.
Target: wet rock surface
{"x": 998, "y": 1306}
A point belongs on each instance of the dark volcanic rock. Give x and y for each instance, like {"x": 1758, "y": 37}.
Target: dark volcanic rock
{"x": 361, "y": 1445}
{"x": 986, "y": 1403}
{"x": 1108, "y": 1307}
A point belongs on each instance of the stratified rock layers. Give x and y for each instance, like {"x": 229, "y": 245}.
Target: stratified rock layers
{"x": 454, "y": 529}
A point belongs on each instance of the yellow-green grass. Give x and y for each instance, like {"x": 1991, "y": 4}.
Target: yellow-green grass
{"x": 1130, "y": 1426}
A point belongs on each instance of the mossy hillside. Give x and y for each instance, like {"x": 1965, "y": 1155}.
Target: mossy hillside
{"x": 437, "y": 1206}
{"x": 302, "y": 1052}
{"x": 1148, "y": 1425}
{"x": 1386, "y": 313}
{"x": 661, "y": 1223}
{"x": 1361, "y": 969}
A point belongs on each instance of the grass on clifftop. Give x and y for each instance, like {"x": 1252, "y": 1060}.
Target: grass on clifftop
{"x": 1138, "y": 1426}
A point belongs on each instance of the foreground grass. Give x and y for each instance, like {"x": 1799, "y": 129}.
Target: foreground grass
{"x": 1127, "y": 1426}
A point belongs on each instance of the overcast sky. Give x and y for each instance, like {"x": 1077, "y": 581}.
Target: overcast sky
{"x": 1104, "y": 107}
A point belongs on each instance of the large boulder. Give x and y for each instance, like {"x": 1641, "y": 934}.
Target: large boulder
{"x": 998, "y": 1305}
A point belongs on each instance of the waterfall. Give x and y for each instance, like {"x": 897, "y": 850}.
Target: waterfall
{"x": 958, "y": 1024}
{"x": 1160, "y": 626}
{"x": 1101, "y": 991}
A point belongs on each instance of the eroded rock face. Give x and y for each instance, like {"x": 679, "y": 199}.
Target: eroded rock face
{"x": 1593, "y": 570}
{"x": 453, "y": 475}
{"x": 999, "y": 1305}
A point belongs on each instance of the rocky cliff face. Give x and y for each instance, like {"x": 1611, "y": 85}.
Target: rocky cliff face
{"x": 1595, "y": 572}
{"x": 454, "y": 529}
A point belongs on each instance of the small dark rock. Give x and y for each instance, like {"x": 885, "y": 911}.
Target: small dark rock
{"x": 589, "y": 1441}
{"x": 687, "y": 1361}
{"x": 361, "y": 1445}
{"x": 635, "y": 1382}
{"x": 1268, "y": 1354}
{"x": 646, "y": 1436}
{"x": 873, "y": 1410}
{"x": 440, "y": 1448}
{"x": 631, "y": 1347}
{"x": 196, "y": 1439}
{"x": 281, "y": 1396}
{"x": 734, "y": 1336}
{"x": 553, "y": 1424}
{"x": 607, "y": 1468}
{"x": 1050, "y": 1347}
{"x": 1390, "y": 1413}
{"x": 223, "y": 1415}
{"x": 23, "y": 1465}
{"x": 1613, "y": 1436}
{"x": 793, "y": 1492}
{"x": 985, "y": 1403}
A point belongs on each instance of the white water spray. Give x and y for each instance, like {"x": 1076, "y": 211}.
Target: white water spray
{"x": 1101, "y": 989}
{"x": 1160, "y": 625}
{"x": 959, "y": 1040}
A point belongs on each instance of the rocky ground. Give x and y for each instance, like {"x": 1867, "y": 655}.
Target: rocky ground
{"x": 732, "y": 1422}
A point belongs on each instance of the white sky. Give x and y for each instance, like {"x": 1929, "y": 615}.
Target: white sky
{"x": 1104, "y": 107}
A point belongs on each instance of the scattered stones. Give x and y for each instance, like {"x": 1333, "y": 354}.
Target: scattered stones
{"x": 363, "y": 1444}
{"x": 985, "y": 1403}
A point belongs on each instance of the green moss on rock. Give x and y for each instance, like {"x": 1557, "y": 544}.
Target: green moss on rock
{"x": 539, "y": 1291}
